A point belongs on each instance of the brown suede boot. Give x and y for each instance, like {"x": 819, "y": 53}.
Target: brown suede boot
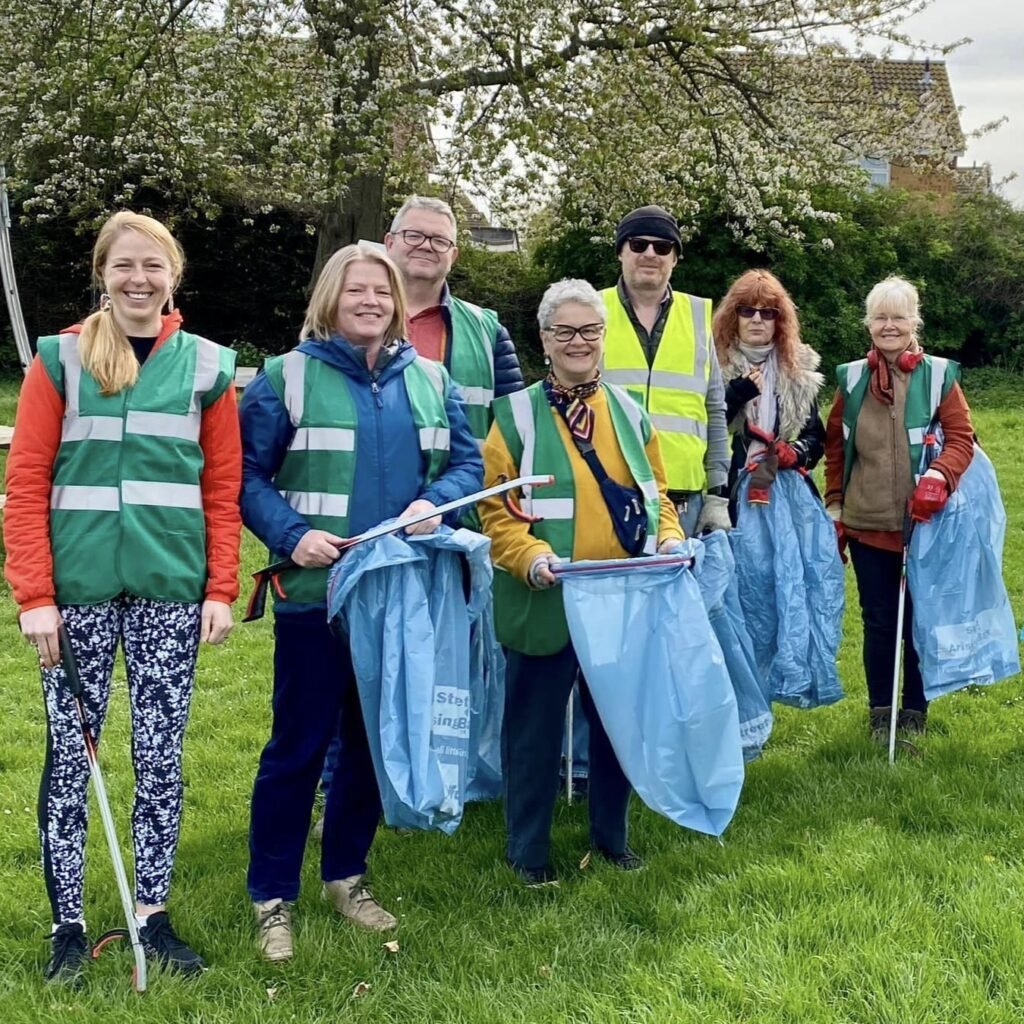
{"x": 878, "y": 724}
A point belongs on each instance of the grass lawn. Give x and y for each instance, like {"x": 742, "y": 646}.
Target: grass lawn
{"x": 844, "y": 890}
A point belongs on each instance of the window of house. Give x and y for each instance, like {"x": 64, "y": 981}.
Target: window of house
{"x": 878, "y": 170}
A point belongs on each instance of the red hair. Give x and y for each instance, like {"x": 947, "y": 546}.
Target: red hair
{"x": 757, "y": 288}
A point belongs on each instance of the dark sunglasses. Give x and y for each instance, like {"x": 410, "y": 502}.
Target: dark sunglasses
{"x": 659, "y": 245}
{"x": 767, "y": 312}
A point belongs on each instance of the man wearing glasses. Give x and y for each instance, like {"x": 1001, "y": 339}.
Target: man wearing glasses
{"x": 658, "y": 346}
{"x": 476, "y": 349}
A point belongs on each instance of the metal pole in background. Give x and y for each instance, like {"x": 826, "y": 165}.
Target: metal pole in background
{"x": 7, "y": 272}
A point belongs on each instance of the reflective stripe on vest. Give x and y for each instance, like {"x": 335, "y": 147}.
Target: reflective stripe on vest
{"x": 317, "y": 473}
{"x": 535, "y": 442}
{"x": 186, "y": 427}
{"x": 126, "y": 509}
{"x": 474, "y": 331}
{"x": 674, "y": 389}
{"x": 927, "y": 385}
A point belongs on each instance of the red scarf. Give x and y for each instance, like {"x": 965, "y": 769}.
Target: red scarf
{"x": 881, "y": 371}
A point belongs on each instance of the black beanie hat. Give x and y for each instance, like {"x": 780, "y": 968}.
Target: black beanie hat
{"x": 648, "y": 220}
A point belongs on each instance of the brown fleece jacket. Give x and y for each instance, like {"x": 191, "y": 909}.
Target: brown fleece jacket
{"x": 881, "y": 481}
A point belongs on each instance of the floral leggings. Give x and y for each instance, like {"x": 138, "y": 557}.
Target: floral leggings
{"x": 160, "y": 641}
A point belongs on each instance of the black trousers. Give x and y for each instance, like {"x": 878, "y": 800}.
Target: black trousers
{"x": 536, "y": 692}
{"x": 878, "y": 584}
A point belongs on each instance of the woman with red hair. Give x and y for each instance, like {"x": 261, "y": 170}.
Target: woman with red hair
{"x": 771, "y": 378}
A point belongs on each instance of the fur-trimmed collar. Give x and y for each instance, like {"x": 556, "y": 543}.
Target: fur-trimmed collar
{"x": 796, "y": 389}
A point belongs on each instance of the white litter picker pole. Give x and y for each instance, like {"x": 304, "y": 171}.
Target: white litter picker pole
{"x": 568, "y": 748}
{"x": 7, "y": 272}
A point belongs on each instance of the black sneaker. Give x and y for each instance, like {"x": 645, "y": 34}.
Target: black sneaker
{"x": 160, "y": 943}
{"x": 628, "y": 860}
{"x": 69, "y": 956}
{"x": 536, "y": 878}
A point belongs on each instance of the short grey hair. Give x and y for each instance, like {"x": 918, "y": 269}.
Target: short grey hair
{"x": 897, "y": 296}
{"x": 425, "y": 203}
{"x": 569, "y": 290}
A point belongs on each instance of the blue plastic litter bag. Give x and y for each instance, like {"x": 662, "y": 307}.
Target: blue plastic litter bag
{"x": 659, "y": 683}
{"x": 404, "y": 605}
{"x": 487, "y": 703}
{"x": 964, "y": 631}
{"x": 791, "y": 590}
{"x": 716, "y": 577}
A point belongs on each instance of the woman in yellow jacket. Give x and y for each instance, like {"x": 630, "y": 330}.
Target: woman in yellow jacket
{"x": 608, "y": 501}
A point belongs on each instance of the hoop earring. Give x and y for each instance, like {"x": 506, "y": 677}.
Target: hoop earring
{"x": 105, "y": 303}
{"x": 170, "y": 303}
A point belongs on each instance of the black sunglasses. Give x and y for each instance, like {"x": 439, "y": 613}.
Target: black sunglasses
{"x": 767, "y": 312}
{"x": 659, "y": 245}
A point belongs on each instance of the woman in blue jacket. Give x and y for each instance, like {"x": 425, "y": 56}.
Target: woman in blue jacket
{"x": 348, "y": 429}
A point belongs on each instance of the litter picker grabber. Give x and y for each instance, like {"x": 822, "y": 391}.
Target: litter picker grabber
{"x": 568, "y": 748}
{"x": 268, "y": 576}
{"x": 131, "y": 931}
{"x": 897, "y": 670}
{"x": 635, "y": 565}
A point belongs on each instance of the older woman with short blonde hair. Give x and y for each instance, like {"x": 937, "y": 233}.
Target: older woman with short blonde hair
{"x": 874, "y": 488}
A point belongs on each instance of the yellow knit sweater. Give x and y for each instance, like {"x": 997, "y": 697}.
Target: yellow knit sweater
{"x": 514, "y": 548}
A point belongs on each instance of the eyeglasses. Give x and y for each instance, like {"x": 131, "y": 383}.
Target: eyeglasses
{"x": 881, "y": 320}
{"x": 563, "y": 333}
{"x": 767, "y": 312}
{"x": 659, "y": 245}
{"x": 414, "y": 239}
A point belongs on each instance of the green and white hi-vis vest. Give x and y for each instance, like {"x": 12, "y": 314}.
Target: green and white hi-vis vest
{"x": 533, "y": 621}
{"x": 126, "y": 509}
{"x": 928, "y": 385}
{"x": 474, "y": 331}
{"x": 318, "y": 470}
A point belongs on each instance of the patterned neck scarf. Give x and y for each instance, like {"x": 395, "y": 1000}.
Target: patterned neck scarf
{"x": 572, "y": 403}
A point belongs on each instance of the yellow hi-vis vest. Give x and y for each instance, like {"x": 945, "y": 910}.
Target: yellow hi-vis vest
{"x": 674, "y": 389}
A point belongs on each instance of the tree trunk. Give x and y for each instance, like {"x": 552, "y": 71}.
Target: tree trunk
{"x": 357, "y": 215}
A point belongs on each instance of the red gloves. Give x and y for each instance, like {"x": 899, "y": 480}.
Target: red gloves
{"x": 930, "y": 496}
{"x": 787, "y": 455}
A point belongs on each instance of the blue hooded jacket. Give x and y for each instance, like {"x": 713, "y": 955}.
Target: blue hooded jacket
{"x": 390, "y": 469}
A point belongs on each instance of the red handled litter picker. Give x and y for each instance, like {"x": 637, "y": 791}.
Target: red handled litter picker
{"x": 131, "y": 931}
{"x": 268, "y": 576}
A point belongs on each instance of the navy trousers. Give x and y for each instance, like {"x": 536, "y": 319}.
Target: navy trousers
{"x": 536, "y": 691}
{"x": 315, "y": 699}
{"x": 878, "y": 585}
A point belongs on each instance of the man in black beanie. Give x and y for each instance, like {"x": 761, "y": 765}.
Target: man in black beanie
{"x": 658, "y": 346}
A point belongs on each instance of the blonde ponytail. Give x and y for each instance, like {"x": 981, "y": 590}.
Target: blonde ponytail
{"x": 107, "y": 354}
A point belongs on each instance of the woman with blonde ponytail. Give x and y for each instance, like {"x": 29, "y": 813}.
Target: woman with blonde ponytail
{"x": 122, "y": 527}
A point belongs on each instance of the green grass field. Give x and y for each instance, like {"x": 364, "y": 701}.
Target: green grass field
{"x": 844, "y": 890}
